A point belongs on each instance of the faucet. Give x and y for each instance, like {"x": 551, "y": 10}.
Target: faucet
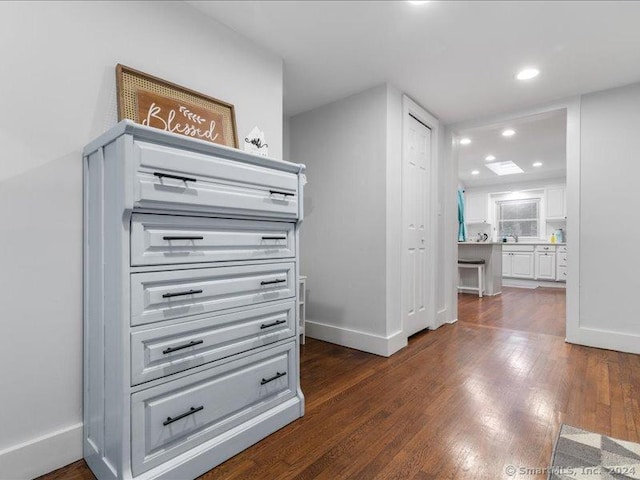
{"x": 515, "y": 237}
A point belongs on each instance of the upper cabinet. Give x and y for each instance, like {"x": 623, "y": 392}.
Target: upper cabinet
{"x": 476, "y": 208}
{"x": 556, "y": 203}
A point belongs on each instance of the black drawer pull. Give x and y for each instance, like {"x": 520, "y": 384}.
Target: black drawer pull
{"x": 179, "y": 294}
{"x": 185, "y": 414}
{"x": 183, "y": 238}
{"x": 272, "y": 324}
{"x": 186, "y": 345}
{"x": 274, "y": 238}
{"x": 271, "y": 282}
{"x": 175, "y": 177}
{"x": 278, "y": 192}
{"x": 275, "y": 377}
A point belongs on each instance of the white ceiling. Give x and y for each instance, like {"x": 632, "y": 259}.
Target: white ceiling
{"x": 538, "y": 138}
{"x": 457, "y": 59}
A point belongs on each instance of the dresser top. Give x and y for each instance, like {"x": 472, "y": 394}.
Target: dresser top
{"x": 150, "y": 134}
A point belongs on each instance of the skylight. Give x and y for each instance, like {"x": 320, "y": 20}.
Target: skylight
{"x": 504, "y": 168}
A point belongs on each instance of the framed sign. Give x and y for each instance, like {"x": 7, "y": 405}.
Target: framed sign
{"x": 157, "y": 103}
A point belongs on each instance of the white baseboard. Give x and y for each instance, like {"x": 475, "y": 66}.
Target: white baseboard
{"x": 592, "y": 337}
{"x": 42, "y": 454}
{"x": 367, "y": 342}
{"x": 524, "y": 283}
{"x": 475, "y": 292}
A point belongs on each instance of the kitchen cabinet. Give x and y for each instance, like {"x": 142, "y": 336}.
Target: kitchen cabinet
{"x": 518, "y": 261}
{"x": 545, "y": 265}
{"x": 561, "y": 264}
{"x": 476, "y": 208}
{"x": 556, "y": 203}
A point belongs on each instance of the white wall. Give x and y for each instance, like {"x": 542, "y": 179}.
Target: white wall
{"x": 343, "y": 237}
{"x": 57, "y": 92}
{"x": 609, "y": 234}
{"x": 516, "y": 191}
{"x": 518, "y": 186}
{"x": 351, "y": 242}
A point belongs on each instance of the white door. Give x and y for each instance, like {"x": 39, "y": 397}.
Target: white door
{"x": 546, "y": 266}
{"x": 522, "y": 264}
{"x": 506, "y": 264}
{"x": 476, "y": 208}
{"x": 415, "y": 215}
{"x": 556, "y": 203}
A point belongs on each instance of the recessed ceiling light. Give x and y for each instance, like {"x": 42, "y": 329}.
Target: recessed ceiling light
{"x": 528, "y": 74}
{"x": 504, "y": 168}
{"x": 490, "y": 158}
{"x": 537, "y": 164}
{"x": 508, "y": 132}
{"x": 475, "y": 172}
{"x": 465, "y": 141}
{"x": 413, "y": 2}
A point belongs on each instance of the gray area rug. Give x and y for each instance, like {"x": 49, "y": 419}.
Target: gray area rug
{"x": 582, "y": 455}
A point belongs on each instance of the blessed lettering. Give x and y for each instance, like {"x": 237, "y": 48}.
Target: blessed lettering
{"x": 168, "y": 123}
{"x": 179, "y": 117}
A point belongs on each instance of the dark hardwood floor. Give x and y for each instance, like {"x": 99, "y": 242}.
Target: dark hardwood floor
{"x": 461, "y": 402}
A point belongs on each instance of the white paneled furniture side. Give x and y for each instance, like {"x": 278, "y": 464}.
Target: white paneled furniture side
{"x": 151, "y": 355}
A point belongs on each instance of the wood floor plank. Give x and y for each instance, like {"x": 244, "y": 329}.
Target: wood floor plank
{"x": 462, "y": 402}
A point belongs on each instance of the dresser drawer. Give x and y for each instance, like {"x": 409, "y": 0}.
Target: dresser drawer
{"x": 169, "y": 419}
{"x": 166, "y": 239}
{"x": 562, "y": 274}
{"x": 173, "y": 179}
{"x": 157, "y": 296}
{"x": 161, "y": 351}
{"x": 562, "y": 259}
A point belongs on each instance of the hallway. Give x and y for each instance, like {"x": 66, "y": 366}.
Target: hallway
{"x": 461, "y": 402}
{"x": 540, "y": 310}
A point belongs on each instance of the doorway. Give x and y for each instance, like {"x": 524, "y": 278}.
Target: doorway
{"x": 512, "y": 174}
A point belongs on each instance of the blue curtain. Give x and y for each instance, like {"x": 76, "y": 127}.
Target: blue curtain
{"x": 462, "y": 228}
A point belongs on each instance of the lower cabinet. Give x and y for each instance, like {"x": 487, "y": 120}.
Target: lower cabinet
{"x": 535, "y": 262}
{"x": 546, "y": 265}
{"x": 561, "y": 264}
{"x": 517, "y": 261}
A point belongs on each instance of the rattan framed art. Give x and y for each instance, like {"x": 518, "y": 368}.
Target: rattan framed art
{"x": 151, "y": 101}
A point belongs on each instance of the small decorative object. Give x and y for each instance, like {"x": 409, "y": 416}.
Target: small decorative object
{"x": 157, "y": 103}
{"x": 254, "y": 143}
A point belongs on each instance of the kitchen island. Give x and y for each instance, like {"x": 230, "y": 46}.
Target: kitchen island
{"x": 491, "y": 253}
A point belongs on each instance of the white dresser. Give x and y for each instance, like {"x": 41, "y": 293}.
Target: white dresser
{"x": 191, "y": 335}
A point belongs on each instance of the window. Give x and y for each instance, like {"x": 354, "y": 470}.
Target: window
{"x": 519, "y": 217}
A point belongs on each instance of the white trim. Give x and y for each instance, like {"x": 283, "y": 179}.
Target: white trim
{"x": 573, "y": 220}
{"x": 441, "y": 317}
{"x": 409, "y": 107}
{"x": 474, "y": 291}
{"x": 367, "y": 342}
{"x": 526, "y": 283}
{"x": 42, "y": 454}
{"x": 572, "y": 107}
{"x": 592, "y": 337}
